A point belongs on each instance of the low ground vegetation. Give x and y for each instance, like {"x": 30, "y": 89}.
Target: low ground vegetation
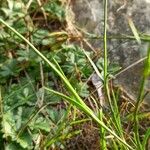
{"x": 39, "y": 108}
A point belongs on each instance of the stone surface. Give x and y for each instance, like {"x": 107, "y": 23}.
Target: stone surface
{"x": 89, "y": 16}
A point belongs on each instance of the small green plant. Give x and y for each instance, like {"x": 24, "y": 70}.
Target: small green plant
{"x": 45, "y": 89}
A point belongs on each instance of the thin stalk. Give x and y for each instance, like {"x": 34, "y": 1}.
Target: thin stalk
{"x": 102, "y": 132}
{"x": 116, "y": 115}
{"x": 116, "y": 118}
{"x": 79, "y": 121}
{"x": 1, "y": 104}
{"x": 106, "y": 53}
{"x": 143, "y": 37}
{"x": 105, "y": 44}
{"x": 106, "y": 86}
{"x": 141, "y": 97}
{"x": 136, "y": 120}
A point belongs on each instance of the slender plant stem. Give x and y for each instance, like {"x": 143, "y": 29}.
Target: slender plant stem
{"x": 141, "y": 97}
{"x": 106, "y": 86}
{"x": 143, "y": 37}
{"x": 105, "y": 44}
{"x": 136, "y": 120}
{"x": 102, "y": 130}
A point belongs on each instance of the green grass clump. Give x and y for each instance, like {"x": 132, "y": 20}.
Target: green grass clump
{"x": 44, "y": 92}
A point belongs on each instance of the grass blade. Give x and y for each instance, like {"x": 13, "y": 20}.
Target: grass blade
{"x": 134, "y": 30}
{"x": 146, "y": 138}
{"x": 141, "y": 98}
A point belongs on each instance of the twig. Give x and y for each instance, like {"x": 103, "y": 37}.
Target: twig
{"x": 130, "y": 66}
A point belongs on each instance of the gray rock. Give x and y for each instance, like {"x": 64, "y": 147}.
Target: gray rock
{"x": 89, "y": 16}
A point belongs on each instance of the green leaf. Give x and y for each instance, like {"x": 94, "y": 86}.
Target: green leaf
{"x": 83, "y": 90}
{"x": 55, "y": 9}
{"x": 10, "y": 4}
{"x": 26, "y": 92}
{"x": 9, "y": 68}
{"x": 3, "y": 34}
{"x": 8, "y": 125}
{"x": 12, "y": 146}
{"x": 41, "y": 123}
{"x": 19, "y": 118}
{"x": 25, "y": 140}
